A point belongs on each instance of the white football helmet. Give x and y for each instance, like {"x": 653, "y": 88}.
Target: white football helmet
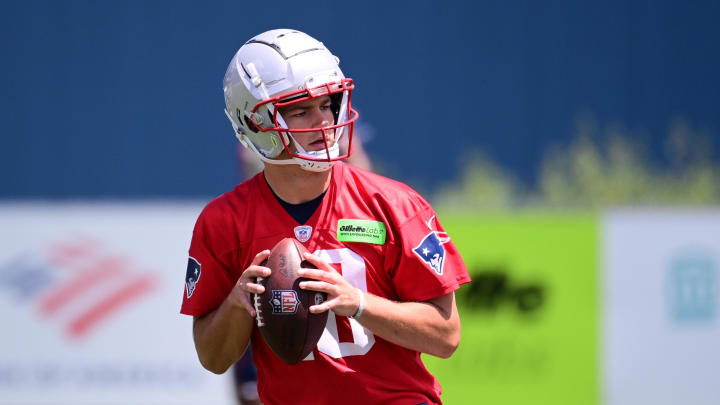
{"x": 279, "y": 68}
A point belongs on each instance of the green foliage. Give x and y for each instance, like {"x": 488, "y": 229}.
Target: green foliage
{"x": 600, "y": 168}
{"x": 483, "y": 186}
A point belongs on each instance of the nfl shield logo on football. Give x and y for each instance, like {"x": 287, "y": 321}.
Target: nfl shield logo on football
{"x": 303, "y": 232}
{"x": 284, "y": 302}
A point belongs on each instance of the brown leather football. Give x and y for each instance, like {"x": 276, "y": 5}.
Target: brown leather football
{"x": 283, "y": 310}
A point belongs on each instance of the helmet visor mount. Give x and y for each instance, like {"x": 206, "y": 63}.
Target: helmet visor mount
{"x": 344, "y": 117}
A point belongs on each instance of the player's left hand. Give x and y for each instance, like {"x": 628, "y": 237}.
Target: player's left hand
{"x": 343, "y": 298}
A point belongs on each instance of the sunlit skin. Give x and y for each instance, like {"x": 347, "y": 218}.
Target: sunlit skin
{"x": 311, "y": 113}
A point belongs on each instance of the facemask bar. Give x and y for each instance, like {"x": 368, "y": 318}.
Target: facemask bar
{"x": 246, "y": 142}
{"x": 273, "y": 104}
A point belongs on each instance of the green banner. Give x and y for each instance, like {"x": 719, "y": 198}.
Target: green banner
{"x": 530, "y": 316}
{"x": 361, "y": 230}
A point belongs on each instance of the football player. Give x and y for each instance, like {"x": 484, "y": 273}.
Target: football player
{"x": 382, "y": 257}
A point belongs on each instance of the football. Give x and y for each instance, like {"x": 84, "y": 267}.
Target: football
{"x": 283, "y": 310}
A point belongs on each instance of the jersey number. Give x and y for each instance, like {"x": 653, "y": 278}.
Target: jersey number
{"x": 353, "y": 269}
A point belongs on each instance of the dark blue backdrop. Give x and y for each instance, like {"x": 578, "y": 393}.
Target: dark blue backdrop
{"x": 124, "y": 98}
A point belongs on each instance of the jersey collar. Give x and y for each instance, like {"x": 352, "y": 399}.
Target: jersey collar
{"x": 321, "y": 217}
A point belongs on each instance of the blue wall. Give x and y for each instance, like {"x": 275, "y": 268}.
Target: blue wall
{"x": 124, "y": 99}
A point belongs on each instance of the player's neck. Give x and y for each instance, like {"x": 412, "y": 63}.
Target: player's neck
{"x": 296, "y": 185}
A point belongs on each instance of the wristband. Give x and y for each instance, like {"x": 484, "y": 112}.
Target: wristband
{"x": 361, "y": 306}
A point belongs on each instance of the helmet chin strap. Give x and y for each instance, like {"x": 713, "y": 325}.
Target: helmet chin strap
{"x": 303, "y": 163}
{"x": 309, "y": 165}
{"x": 333, "y": 152}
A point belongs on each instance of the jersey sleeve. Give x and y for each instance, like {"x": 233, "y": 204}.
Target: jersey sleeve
{"x": 207, "y": 279}
{"x": 426, "y": 263}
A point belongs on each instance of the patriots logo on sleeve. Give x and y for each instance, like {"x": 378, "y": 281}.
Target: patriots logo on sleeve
{"x": 192, "y": 276}
{"x": 431, "y": 250}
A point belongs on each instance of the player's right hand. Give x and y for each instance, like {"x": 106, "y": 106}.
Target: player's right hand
{"x": 247, "y": 283}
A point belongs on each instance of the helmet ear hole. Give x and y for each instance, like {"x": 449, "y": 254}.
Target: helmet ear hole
{"x": 335, "y": 102}
{"x": 250, "y": 124}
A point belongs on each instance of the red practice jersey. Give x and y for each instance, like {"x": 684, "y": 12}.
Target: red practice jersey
{"x": 381, "y": 235}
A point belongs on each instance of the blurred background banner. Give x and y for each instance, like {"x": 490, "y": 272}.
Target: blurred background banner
{"x": 89, "y": 299}
{"x": 120, "y": 99}
{"x": 530, "y": 316}
{"x": 662, "y": 307}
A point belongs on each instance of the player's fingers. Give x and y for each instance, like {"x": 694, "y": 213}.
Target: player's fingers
{"x": 253, "y": 288}
{"x": 325, "y": 306}
{"x": 316, "y": 274}
{"x": 240, "y": 295}
{"x": 249, "y": 307}
{"x": 260, "y": 257}
{"x": 319, "y": 263}
{"x": 256, "y": 271}
{"x": 248, "y": 281}
{"x": 320, "y": 286}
